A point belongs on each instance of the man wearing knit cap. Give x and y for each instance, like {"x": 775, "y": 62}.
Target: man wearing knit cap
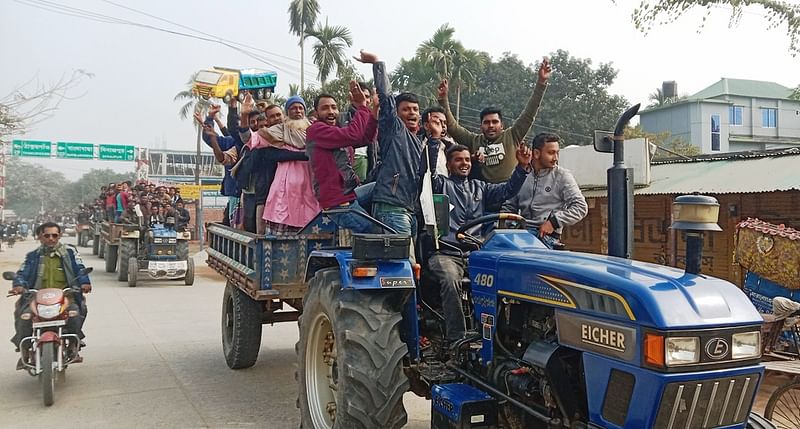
{"x": 295, "y": 107}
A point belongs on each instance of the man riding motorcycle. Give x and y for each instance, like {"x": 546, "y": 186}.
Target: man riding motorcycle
{"x": 52, "y": 265}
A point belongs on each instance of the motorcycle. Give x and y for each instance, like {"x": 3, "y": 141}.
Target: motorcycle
{"x": 49, "y": 351}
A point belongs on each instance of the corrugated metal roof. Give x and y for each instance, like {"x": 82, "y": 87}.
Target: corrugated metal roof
{"x": 721, "y": 176}
{"x": 745, "y": 88}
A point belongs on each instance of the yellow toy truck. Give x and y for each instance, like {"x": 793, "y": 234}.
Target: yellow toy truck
{"x": 218, "y": 82}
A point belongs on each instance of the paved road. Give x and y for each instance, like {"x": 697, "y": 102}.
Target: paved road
{"x": 154, "y": 359}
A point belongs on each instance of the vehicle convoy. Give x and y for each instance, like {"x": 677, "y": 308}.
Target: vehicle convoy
{"x": 49, "y": 351}
{"x": 556, "y": 339}
{"x": 158, "y": 251}
{"x": 110, "y": 234}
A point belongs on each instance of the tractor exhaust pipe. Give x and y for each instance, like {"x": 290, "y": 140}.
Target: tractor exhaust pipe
{"x": 620, "y": 193}
{"x": 695, "y": 214}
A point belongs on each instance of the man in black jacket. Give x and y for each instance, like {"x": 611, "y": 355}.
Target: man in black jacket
{"x": 468, "y": 199}
{"x": 395, "y": 195}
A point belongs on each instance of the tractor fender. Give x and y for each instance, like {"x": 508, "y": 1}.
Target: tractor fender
{"x": 391, "y": 274}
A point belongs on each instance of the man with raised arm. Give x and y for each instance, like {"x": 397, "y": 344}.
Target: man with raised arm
{"x": 494, "y": 145}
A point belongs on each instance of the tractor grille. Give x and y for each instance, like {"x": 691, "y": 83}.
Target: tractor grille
{"x": 619, "y": 393}
{"x": 163, "y": 250}
{"x": 707, "y": 403}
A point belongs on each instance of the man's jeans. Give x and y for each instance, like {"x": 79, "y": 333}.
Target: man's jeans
{"x": 448, "y": 271}
{"x": 356, "y": 223}
{"x": 548, "y": 240}
{"x": 396, "y": 217}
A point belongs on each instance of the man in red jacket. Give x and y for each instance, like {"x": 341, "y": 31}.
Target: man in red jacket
{"x": 330, "y": 150}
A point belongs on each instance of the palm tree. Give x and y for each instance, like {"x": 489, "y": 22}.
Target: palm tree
{"x": 439, "y": 50}
{"x": 329, "y": 50}
{"x": 658, "y": 99}
{"x": 468, "y": 64}
{"x": 302, "y": 18}
{"x": 193, "y": 101}
{"x": 293, "y": 89}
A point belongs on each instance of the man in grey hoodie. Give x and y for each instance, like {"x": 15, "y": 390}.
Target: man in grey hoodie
{"x": 550, "y": 197}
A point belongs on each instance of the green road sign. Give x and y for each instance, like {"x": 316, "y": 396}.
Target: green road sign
{"x": 75, "y": 150}
{"x": 113, "y": 152}
{"x": 36, "y": 148}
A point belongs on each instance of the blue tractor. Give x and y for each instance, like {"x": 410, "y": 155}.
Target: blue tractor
{"x": 556, "y": 339}
{"x": 157, "y": 251}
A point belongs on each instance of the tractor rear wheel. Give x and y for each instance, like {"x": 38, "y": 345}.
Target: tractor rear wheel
{"x": 111, "y": 258}
{"x": 182, "y": 250}
{"x": 350, "y": 357}
{"x": 127, "y": 250}
{"x": 241, "y": 327}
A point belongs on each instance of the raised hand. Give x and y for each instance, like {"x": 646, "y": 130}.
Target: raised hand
{"x": 198, "y": 117}
{"x": 444, "y": 87}
{"x": 209, "y": 131}
{"x": 248, "y": 104}
{"x": 434, "y": 126}
{"x": 544, "y": 70}
{"x": 367, "y": 57}
{"x": 524, "y": 155}
{"x": 357, "y": 95}
{"x": 213, "y": 110}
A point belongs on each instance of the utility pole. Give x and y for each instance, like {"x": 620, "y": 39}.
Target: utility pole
{"x": 199, "y": 203}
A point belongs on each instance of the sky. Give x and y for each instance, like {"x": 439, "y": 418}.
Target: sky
{"x": 137, "y": 71}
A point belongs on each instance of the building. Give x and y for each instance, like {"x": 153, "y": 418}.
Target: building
{"x": 731, "y": 115}
{"x": 762, "y": 184}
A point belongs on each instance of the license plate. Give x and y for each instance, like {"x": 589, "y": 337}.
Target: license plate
{"x": 49, "y": 324}
{"x": 167, "y": 265}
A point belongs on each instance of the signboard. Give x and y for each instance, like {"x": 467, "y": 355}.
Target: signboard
{"x": 75, "y": 150}
{"x": 113, "y": 152}
{"x": 35, "y": 148}
{"x": 192, "y": 192}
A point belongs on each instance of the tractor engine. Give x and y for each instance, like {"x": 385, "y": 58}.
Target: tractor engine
{"x": 532, "y": 367}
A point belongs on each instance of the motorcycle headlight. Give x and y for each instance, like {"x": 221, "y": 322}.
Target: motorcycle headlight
{"x": 682, "y": 350}
{"x": 746, "y": 345}
{"x": 48, "y": 311}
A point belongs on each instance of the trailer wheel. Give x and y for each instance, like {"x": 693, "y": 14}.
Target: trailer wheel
{"x": 96, "y": 245}
{"x": 127, "y": 250}
{"x": 101, "y": 249}
{"x": 111, "y": 258}
{"x": 782, "y": 407}
{"x": 350, "y": 357}
{"x": 241, "y": 328}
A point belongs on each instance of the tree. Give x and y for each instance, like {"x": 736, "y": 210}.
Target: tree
{"x": 467, "y": 65}
{"x": 439, "y": 51}
{"x": 329, "y": 50}
{"x": 577, "y": 101}
{"x": 302, "y": 17}
{"x": 658, "y": 99}
{"x": 655, "y": 12}
{"x": 87, "y": 187}
{"x": 675, "y": 146}
{"x": 27, "y": 193}
{"x": 413, "y": 75}
{"x": 32, "y": 102}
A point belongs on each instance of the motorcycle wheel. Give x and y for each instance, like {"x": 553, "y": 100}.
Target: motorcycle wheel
{"x": 47, "y": 376}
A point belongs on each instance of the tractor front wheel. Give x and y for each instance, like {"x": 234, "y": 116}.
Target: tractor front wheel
{"x": 350, "y": 357}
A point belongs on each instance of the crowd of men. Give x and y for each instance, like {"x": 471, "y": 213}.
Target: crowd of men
{"x": 144, "y": 202}
{"x": 283, "y": 164}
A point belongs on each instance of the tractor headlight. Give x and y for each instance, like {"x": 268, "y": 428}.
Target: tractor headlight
{"x": 682, "y": 350}
{"x": 157, "y": 240}
{"x": 48, "y": 311}
{"x": 746, "y": 345}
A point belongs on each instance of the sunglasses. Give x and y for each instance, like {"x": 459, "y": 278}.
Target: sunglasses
{"x": 50, "y": 235}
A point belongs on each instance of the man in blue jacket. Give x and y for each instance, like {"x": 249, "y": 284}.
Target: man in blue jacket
{"x": 395, "y": 195}
{"x": 52, "y": 265}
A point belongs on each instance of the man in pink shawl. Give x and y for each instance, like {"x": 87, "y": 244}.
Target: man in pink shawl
{"x": 291, "y": 203}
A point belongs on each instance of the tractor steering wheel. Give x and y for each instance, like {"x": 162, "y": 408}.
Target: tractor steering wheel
{"x": 463, "y": 236}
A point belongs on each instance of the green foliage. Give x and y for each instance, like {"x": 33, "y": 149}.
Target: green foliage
{"x": 339, "y": 87}
{"x": 651, "y": 13}
{"x": 329, "y": 48}
{"x": 663, "y": 140}
{"x": 192, "y": 102}
{"x": 577, "y": 100}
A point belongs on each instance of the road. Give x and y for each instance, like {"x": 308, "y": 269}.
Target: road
{"x": 154, "y": 360}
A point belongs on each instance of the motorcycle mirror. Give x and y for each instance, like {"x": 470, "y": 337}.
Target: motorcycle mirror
{"x": 9, "y": 275}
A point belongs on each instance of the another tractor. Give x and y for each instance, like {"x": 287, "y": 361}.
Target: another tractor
{"x": 158, "y": 251}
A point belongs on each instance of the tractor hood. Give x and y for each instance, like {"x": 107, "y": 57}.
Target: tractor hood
{"x": 652, "y": 295}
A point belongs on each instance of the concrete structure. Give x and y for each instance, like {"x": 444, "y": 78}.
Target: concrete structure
{"x": 731, "y": 115}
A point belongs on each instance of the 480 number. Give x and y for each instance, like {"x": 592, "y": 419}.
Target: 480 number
{"x": 483, "y": 279}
